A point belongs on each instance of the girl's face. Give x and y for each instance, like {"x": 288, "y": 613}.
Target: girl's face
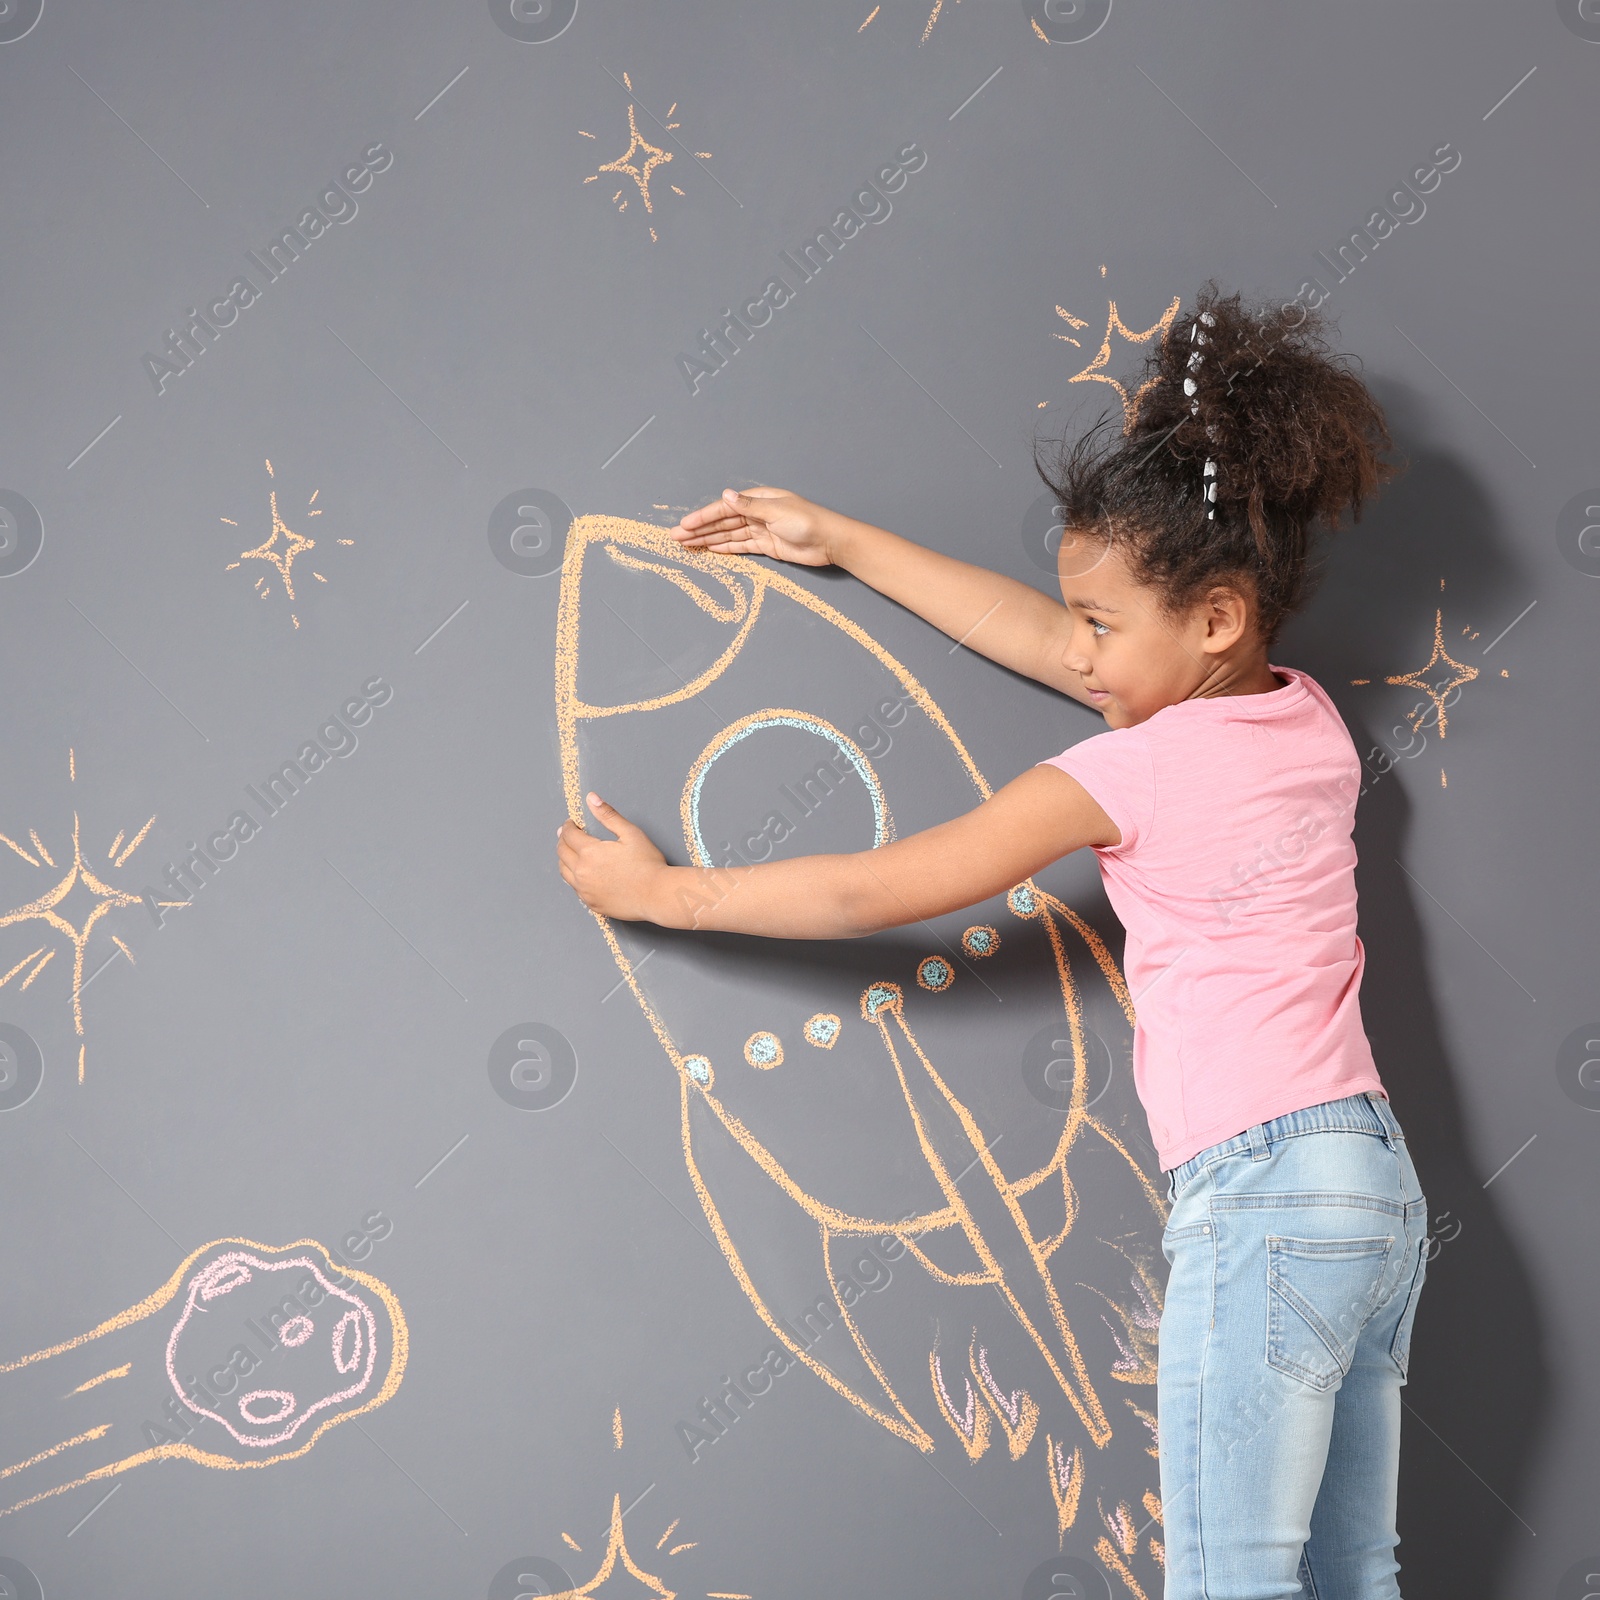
{"x": 1134, "y": 657}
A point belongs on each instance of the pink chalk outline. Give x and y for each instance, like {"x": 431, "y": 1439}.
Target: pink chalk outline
{"x": 238, "y": 1267}
{"x": 965, "y": 1421}
{"x": 285, "y": 1401}
{"x": 1011, "y": 1406}
{"x": 344, "y": 1359}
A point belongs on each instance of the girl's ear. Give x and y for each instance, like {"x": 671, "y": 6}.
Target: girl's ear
{"x": 1229, "y": 617}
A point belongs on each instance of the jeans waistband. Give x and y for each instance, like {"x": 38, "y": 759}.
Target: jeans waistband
{"x": 1367, "y": 1112}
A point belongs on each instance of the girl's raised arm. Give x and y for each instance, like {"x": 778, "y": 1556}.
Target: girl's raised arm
{"x": 1008, "y": 621}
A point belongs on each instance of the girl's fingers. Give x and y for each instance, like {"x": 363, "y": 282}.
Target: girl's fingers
{"x": 715, "y": 509}
{"x": 712, "y": 530}
{"x": 756, "y": 506}
{"x": 735, "y": 540}
{"x": 735, "y": 506}
{"x": 608, "y": 814}
{"x": 732, "y": 509}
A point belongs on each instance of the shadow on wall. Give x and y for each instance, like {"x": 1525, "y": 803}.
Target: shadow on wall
{"x": 1479, "y": 1386}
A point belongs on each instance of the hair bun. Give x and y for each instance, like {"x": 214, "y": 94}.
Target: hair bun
{"x": 1246, "y": 435}
{"x": 1290, "y": 429}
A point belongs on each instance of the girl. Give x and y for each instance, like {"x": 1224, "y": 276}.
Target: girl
{"x": 1219, "y": 804}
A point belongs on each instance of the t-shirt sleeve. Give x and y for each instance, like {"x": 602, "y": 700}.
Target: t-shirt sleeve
{"x": 1116, "y": 769}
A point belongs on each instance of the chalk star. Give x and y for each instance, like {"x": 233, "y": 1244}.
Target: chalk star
{"x": 1095, "y": 372}
{"x": 104, "y": 897}
{"x": 619, "y": 1576}
{"x": 91, "y": 899}
{"x": 282, "y": 558}
{"x": 1456, "y": 675}
{"x": 655, "y": 157}
{"x": 280, "y": 547}
{"x": 617, "y": 1548}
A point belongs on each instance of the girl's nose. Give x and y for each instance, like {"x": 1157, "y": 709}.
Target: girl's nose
{"x": 1074, "y": 660}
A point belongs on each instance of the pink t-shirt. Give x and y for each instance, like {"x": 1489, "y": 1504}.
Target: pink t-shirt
{"x": 1235, "y": 881}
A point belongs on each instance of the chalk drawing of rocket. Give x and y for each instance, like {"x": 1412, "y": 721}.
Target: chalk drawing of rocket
{"x": 849, "y": 1105}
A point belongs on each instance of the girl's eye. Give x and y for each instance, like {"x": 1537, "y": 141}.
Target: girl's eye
{"x": 1100, "y": 629}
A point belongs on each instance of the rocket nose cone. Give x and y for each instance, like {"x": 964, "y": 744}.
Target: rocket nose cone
{"x": 642, "y": 618}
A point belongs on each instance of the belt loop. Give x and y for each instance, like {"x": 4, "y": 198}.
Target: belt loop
{"x": 1259, "y": 1149}
{"x": 1385, "y": 1115}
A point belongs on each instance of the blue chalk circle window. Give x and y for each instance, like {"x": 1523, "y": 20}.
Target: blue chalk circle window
{"x": 786, "y": 798}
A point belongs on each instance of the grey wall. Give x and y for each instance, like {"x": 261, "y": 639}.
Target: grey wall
{"x": 293, "y": 1054}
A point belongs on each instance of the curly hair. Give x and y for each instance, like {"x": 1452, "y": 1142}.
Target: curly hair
{"x": 1245, "y": 437}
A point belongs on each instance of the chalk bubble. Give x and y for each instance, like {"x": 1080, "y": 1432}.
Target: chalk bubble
{"x": 880, "y": 997}
{"x": 822, "y": 1030}
{"x": 763, "y": 1050}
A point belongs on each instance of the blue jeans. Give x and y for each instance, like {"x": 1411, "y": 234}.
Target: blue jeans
{"x": 1298, "y": 1251}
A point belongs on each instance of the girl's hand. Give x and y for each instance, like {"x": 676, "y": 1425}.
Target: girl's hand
{"x": 762, "y": 522}
{"x": 615, "y": 877}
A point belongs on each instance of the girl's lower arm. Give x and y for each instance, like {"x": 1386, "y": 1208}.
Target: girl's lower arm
{"x": 810, "y": 897}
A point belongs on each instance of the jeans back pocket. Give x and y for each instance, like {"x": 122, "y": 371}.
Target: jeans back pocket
{"x": 1320, "y": 1295}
